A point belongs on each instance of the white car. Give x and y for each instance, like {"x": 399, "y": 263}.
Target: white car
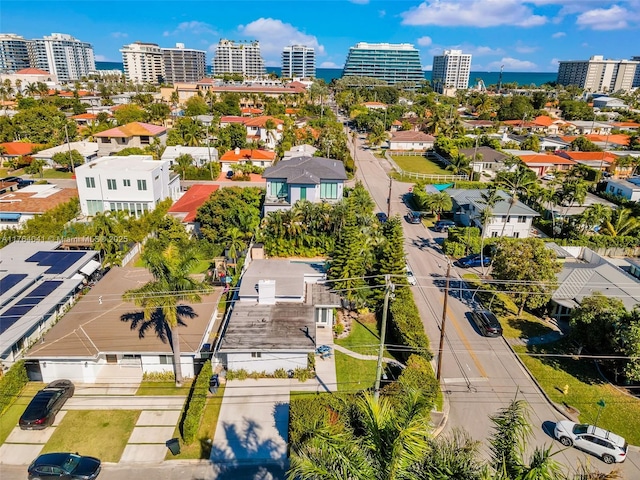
{"x": 549, "y": 176}
{"x": 611, "y": 448}
{"x": 410, "y": 276}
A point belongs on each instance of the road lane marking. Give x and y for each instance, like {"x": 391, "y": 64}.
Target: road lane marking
{"x": 464, "y": 380}
{"x": 466, "y": 343}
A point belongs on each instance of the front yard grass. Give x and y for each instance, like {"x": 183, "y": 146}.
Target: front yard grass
{"x": 98, "y": 433}
{"x": 54, "y": 173}
{"x": 353, "y": 374}
{"x": 9, "y": 419}
{"x": 201, "y": 448}
{"x": 585, "y": 389}
{"x": 364, "y": 338}
{"x": 163, "y": 388}
{"x": 419, "y": 164}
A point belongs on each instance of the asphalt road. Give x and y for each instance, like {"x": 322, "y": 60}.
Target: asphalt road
{"x": 479, "y": 375}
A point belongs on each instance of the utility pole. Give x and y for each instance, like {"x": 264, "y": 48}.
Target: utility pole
{"x": 444, "y": 320}
{"x": 383, "y": 330}
{"x": 389, "y": 198}
{"x": 66, "y": 135}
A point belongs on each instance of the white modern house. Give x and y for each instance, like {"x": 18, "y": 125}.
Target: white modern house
{"x": 88, "y": 150}
{"x": 135, "y": 184}
{"x": 201, "y": 155}
{"x": 629, "y": 188}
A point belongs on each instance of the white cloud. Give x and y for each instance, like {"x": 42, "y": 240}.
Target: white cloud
{"x": 554, "y": 62}
{"x": 330, "y": 65}
{"x": 522, "y": 48}
{"x": 194, "y": 27}
{"x": 427, "y": 68}
{"x": 513, "y": 65}
{"x": 360, "y": 2}
{"x": 382, "y": 13}
{"x": 119, "y": 35}
{"x": 558, "y": 35}
{"x": 274, "y": 35}
{"x": 613, "y": 18}
{"x": 101, "y": 58}
{"x": 473, "y": 13}
{"x": 475, "y": 50}
{"x": 424, "y": 41}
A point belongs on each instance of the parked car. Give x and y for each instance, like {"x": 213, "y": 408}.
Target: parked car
{"x": 22, "y": 182}
{"x": 68, "y": 466}
{"x": 413, "y": 217}
{"x": 41, "y": 411}
{"x": 611, "y": 448}
{"x": 382, "y": 217}
{"x": 443, "y": 225}
{"x": 487, "y": 323}
{"x": 411, "y": 278}
{"x": 549, "y": 176}
{"x": 473, "y": 261}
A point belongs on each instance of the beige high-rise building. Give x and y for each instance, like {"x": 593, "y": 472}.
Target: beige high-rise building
{"x": 62, "y": 55}
{"x": 598, "y": 74}
{"x": 143, "y": 63}
{"x": 183, "y": 64}
{"x": 238, "y": 57}
{"x": 451, "y": 71}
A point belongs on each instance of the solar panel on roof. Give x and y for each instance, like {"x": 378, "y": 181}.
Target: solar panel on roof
{"x": 10, "y": 281}
{"x": 26, "y": 304}
{"x": 58, "y": 260}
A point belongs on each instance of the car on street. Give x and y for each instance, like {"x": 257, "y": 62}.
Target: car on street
{"x": 413, "y": 217}
{"x": 382, "y": 217}
{"x": 41, "y": 411}
{"x": 67, "y": 466}
{"x": 411, "y": 278}
{"x": 610, "y": 447}
{"x": 22, "y": 182}
{"x": 487, "y": 323}
{"x": 443, "y": 225}
{"x": 473, "y": 261}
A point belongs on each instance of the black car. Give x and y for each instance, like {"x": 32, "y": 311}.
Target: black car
{"x": 382, "y": 217}
{"x": 473, "y": 261}
{"x": 22, "y": 182}
{"x": 68, "y": 466}
{"x": 487, "y": 323}
{"x": 41, "y": 411}
{"x": 443, "y": 225}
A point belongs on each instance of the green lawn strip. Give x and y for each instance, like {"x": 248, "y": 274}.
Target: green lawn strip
{"x": 163, "y": 388}
{"x": 353, "y": 374}
{"x": 419, "y": 164}
{"x": 201, "y": 267}
{"x": 201, "y": 448}
{"x": 585, "y": 389}
{"x": 9, "y": 419}
{"x": 364, "y": 338}
{"x": 98, "y": 433}
{"x": 53, "y": 173}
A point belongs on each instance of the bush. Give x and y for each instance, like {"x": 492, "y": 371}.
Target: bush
{"x": 11, "y": 384}
{"x": 158, "y": 377}
{"x": 241, "y": 374}
{"x": 302, "y": 374}
{"x": 195, "y": 404}
{"x": 338, "y": 328}
{"x": 406, "y": 323}
{"x": 419, "y": 376}
{"x": 280, "y": 373}
{"x": 308, "y": 413}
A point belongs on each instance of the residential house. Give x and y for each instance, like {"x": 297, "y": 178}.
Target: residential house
{"x": 467, "y": 208}
{"x": 473, "y": 124}
{"x": 609, "y": 102}
{"x": 85, "y": 119}
{"x": 485, "y": 160}
{"x": 88, "y": 150}
{"x": 272, "y": 324}
{"x": 586, "y": 127}
{"x": 18, "y": 206}
{"x": 314, "y": 179}
{"x": 375, "y": 105}
{"x": 15, "y": 150}
{"x": 629, "y": 188}
{"x": 186, "y": 208}
{"x": 411, "y": 140}
{"x": 250, "y": 111}
{"x": 628, "y": 126}
{"x": 548, "y": 126}
{"x": 601, "y": 161}
{"x": 246, "y": 156}
{"x": 201, "y": 155}
{"x": 135, "y": 184}
{"x": 543, "y": 163}
{"x": 135, "y": 134}
{"x": 300, "y": 151}
{"x": 605, "y": 142}
{"x": 38, "y": 283}
{"x": 552, "y": 144}
{"x": 256, "y": 127}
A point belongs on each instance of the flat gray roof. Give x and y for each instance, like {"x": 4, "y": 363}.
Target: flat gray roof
{"x": 474, "y": 197}
{"x": 289, "y": 276}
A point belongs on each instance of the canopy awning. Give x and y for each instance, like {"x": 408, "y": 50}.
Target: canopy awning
{"x": 10, "y": 216}
{"x": 90, "y": 267}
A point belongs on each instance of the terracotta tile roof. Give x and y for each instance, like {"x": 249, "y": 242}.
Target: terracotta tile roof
{"x": 411, "y": 136}
{"x": 32, "y": 200}
{"x": 607, "y": 157}
{"x": 374, "y": 104}
{"x": 32, "y": 71}
{"x": 543, "y": 120}
{"x": 303, "y": 131}
{"x": 247, "y": 154}
{"x": 548, "y": 159}
{"x": 85, "y": 116}
{"x": 191, "y": 201}
{"x": 297, "y": 84}
{"x": 626, "y": 124}
{"x": 618, "y": 139}
{"x": 261, "y": 121}
{"x": 251, "y": 111}
{"x": 520, "y": 123}
{"x": 132, "y": 129}
{"x": 291, "y": 111}
{"x": 397, "y": 123}
{"x": 115, "y": 108}
{"x": 231, "y": 119}
{"x": 19, "y": 148}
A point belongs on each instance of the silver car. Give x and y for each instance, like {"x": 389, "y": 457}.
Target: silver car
{"x": 411, "y": 278}
{"x": 611, "y": 448}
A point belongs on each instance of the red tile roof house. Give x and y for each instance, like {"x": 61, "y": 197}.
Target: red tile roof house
{"x": 256, "y": 128}
{"x": 16, "y": 149}
{"x": 19, "y": 206}
{"x": 84, "y": 119}
{"x": 135, "y": 134}
{"x": 603, "y": 161}
{"x": 410, "y": 140}
{"x": 246, "y": 156}
{"x": 543, "y": 163}
{"x": 186, "y": 208}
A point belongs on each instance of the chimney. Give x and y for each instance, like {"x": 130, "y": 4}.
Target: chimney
{"x": 267, "y": 292}
{"x": 237, "y": 151}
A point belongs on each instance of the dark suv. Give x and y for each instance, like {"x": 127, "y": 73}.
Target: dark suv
{"x": 413, "y": 217}
{"x": 444, "y": 225}
{"x": 22, "y": 182}
{"x": 487, "y": 323}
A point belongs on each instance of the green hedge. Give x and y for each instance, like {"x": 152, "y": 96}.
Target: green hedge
{"x": 419, "y": 376}
{"x": 196, "y": 403}
{"x": 407, "y": 325}
{"x": 11, "y": 384}
{"x": 309, "y": 413}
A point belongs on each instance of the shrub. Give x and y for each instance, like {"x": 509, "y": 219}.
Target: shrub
{"x": 280, "y": 373}
{"x": 311, "y": 361}
{"x": 158, "y": 377}
{"x": 406, "y": 323}
{"x": 308, "y": 413}
{"x": 195, "y": 404}
{"x": 241, "y": 374}
{"x": 419, "y": 376}
{"x": 338, "y": 328}
{"x": 302, "y": 374}
{"x": 11, "y": 384}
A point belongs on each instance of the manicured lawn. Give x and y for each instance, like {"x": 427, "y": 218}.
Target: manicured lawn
{"x": 9, "y": 419}
{"x": 419, "y": 164}
{"x": 364, "y": 338}
{"x": 621, "y": 413}
{"x": 353, "y": 374}
{"x": 99, "y": 433}
{"x": 163, "y": 388}
{"x": 201, "y": 448}
{"x": 53, "y": 173}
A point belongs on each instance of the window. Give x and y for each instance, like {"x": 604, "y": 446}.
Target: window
{"x": 142, "y": 184}
{"x": 279, "y": 189}
{"x": 111, "y": 184}
{"x": 494, "y": 234}
{"x": 256, "y": 354}
{"x": 165, "y": 360}
{"x": 328, "y": 190}
{"x": 522, "y": 219}
{"x": 91, "y": 182}
{"x": 144, "y": 140}
{"x": 126, "y": 182}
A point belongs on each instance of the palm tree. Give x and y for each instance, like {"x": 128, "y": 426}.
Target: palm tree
{"x": 171, "y": 285}
{"x": 621, "y": 224}
{"x": 460, "y": 164}
{"x": 594, "y": 216}
{"x": 270, "y": 128}
{"x": 439, "y": 202}
{"x": 107, "y": 228}
{"x": 572, "y": 192}
{"x": 489, "y": 198}
{"x": 517, "y": 183}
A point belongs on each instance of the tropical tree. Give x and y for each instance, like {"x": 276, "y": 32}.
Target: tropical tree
{"x": 183, "y": 163}
{"x": 439, "y": 202}
{"x": 622, "y": 223}
{"x": 68, "y": 160}
{"x": 172, "y": 284}
{"x": 460, "y": 164}
{"x": 517, "y": 183}
{"x": 107, "y": 229}
{"x": 489, "y": 199}
{"x": 36, "y": 167}
{"x": 593, "y": 217}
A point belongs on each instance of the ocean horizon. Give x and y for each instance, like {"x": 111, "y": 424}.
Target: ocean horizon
{"x": 489, "y": 78}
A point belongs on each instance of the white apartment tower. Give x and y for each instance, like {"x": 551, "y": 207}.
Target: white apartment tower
{"x": 298, "y": 61}
{"x": 238, "y": 57}
{"x": 62, "y": 55}
{"x": 599, "y": 74}
{"x": 143, "y": 63}
{"x": 14, "y": 53}
{"x": 451, "y": 71}
{"x": 183, "y": 64}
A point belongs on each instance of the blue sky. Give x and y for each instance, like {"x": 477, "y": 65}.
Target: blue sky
{"x": 522, "y": 35}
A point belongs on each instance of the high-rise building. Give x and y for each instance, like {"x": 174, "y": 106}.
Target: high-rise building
{"x": 143, "y": 63}
{"x": 636, "y": 79}
{"x": 14, "y": 54}
{"x": 238, "y": 57}
{"x": 62, "y": 55}
{"x": 184, "y": 64}
{"x": 451, "y": 71}
{"x": 298, "y": 61}
{"x": 598, "y": 74}
{"x": 392, "y": 63}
